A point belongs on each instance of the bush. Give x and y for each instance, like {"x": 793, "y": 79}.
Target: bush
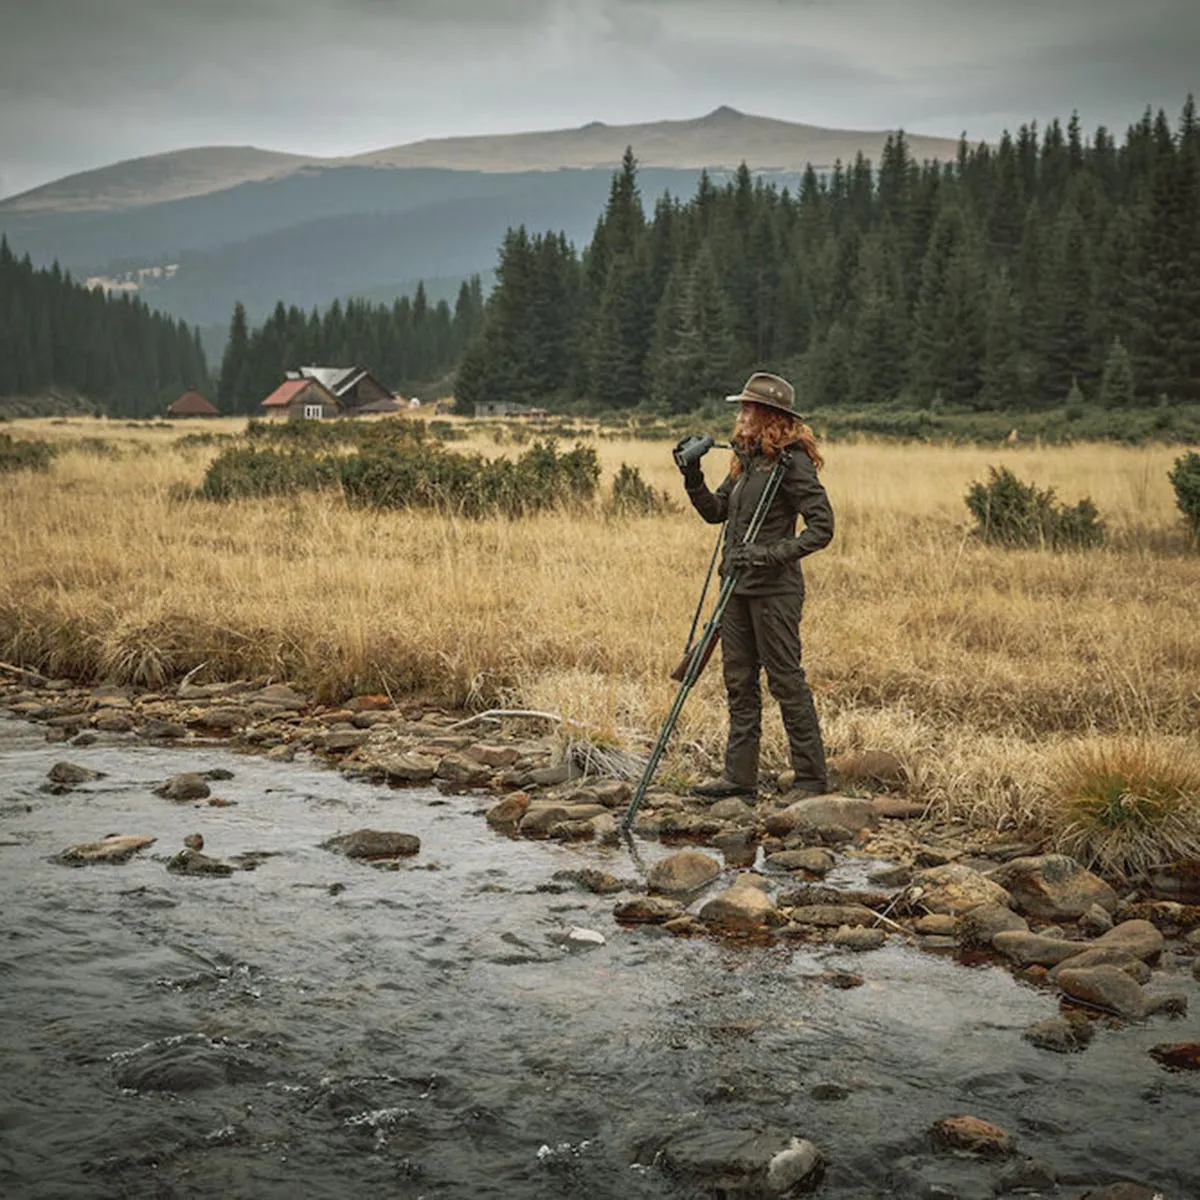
{"x": 1129, "y": 805}
{"x": 245, "y": 471}
{"x": 24, "y": 456}
{"x": 632, "y": 496}
{"x": 1008, "y": 512}
{"x": 1185, "y": 479}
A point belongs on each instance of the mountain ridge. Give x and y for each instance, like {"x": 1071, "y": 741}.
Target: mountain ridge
{"x": 723, "y": 138}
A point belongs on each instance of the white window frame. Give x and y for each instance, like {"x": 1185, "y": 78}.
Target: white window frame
{"x": 312, "y": 412}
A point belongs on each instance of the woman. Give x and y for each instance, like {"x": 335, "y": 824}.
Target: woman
{"x": 761, "y": 626}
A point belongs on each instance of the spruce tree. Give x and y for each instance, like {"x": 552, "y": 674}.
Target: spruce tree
{"x": 1116, "y": 385}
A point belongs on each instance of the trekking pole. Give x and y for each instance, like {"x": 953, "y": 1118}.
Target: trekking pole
{"x": 700, "y": 653}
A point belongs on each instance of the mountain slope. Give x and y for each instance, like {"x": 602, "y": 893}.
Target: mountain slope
{"x": 723, "y": 138}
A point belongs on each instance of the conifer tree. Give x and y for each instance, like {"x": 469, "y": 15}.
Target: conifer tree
{"x": 1116, "y": 385}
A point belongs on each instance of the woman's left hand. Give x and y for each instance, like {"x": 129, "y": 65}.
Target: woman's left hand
{"x": 743, "y": 557}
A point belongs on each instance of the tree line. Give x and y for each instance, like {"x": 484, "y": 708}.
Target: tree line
{"x": 1043, "y": 269}
{"x": 406, "y": 344}
{"x": 56, "y": 333}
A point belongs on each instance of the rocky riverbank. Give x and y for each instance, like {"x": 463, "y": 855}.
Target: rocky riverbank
{"x": 1112, "y": 952}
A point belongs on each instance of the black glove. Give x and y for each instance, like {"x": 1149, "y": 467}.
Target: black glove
{"x": 745, "y": 557}
{"x": 692, "y": 472}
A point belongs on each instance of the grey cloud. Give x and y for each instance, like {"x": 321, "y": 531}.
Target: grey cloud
{"x": 85, "y": 82}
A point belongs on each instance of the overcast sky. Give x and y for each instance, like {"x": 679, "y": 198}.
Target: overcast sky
{"x": 84, "y": 83}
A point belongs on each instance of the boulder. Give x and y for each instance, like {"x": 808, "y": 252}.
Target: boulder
{"x": 1098, "y": 956}
{"x": 830, "y": 916}
{"x": 1053, "y": 887}
{"x": 1063, "y": 1034}
{"x": 507, "y": 813}
{"x": 936, "y": 925}
{"x": 340, "y": 740}
{"x": 1105, "y": 987}
{"x": 719, "y": 1161}
{"x": 647, "y": 910}
{"x": 282, "y": 697}
{"x": 188, "y": 785}
{"x": 1096, "y": 921}
{"x": 112, "y": 720}
{"x": 406, "y": 767}
{"x": 731, "y": 809}
{"x": 813, "y": 859}
{"x": 157, "y": 730}
{"x": 971, "y": 1135}
{"x": 955, "y": 888}
{"x": 222, "y": 720}
{"x": 192, "y": 862}
{"x": 1177, "y": 1056}
{"x": 740, "y": 908}
{"x": 1026, "y": 948}
{"x": 859, "y": 937}
{"x": 685, "y": 871}
{"x": 978, "y": 926}
{"x": 539, "y": 819}
{"x": 492, "y": 754}
{"x": 612, "y": 793}
{"x": 374, "y": 843}
{"x": 460, "y": 768}
{"x": 67, "y": 775}
{"x": 116, "y": 848}
{"x": 815, "y": 812}
{"x": 1137, "y": 938}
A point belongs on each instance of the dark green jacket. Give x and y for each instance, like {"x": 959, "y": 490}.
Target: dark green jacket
{"x": 800, "y": 494}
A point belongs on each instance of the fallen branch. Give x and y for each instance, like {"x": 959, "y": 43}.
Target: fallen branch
{"x": 495, "y": 714}
{"x": 21, "y": 671}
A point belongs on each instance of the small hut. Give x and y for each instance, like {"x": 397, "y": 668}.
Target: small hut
{"x": 192, "y": 403}
{"x": 298, "y": 399}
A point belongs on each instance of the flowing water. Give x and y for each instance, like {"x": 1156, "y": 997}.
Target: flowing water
{"x": 321, "y": 1028}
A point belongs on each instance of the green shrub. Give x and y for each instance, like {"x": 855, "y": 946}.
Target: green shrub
{"x": 245, "y": 471}
{"x": 1008, "y": 512}
{"x": 1185, "y": 479}
{"x": 18, "y": 455}
{"x": 632, "y": 496}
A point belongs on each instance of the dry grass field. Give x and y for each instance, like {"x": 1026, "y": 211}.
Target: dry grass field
{"x": 987, "y": 670}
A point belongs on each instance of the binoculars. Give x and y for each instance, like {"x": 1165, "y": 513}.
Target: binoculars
{"x": 692, "y": 449}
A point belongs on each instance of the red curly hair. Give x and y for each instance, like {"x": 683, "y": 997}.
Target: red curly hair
{"x": 772, "y": 430}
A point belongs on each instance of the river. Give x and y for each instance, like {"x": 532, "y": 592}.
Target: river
{"x": 316, "y": 1027}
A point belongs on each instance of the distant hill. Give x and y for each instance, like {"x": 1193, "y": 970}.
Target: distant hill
{"x": 723, "y": 138}
{"x": 239, "y": 223}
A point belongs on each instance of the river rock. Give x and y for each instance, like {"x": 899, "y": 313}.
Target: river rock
{"x": 741, "y": 908}
{"x": 1063, "y": 1034}
{"x": 731, "y": 809}
{"x": 374, "y": 843}
{"x": 684, "y": 871}
{"x": 599, "y": 883}
{"x": 539, "y": 819}
{"x": 955, "y": 888}
{"x": 1096, "y": 921}
{"x": 936, "y": 925}
{"x": 859, "y": 937}
{"x": 1138, "y": 938}
{"x": 283, "y": 698}
{"x": 971, "y": 1135}
{"x": 112, "y": 720}
{"x": 1098, "y": 956}
{"x": 1177, "y": 1056}
{"x": 1178, "y": 881}
{"x": 647, "y": 910}
{"x": 978, "y": 926}
{"x": 717, "y": 1161}
{"x": 1168, "y": 917}
{"x": 340, "y": 740}
{"x": 188, "y": 785}
{"x": 738, "y": 847}
{"x": 192, "y": 862}
{"x": 507, "y": 813}
{"x": 813, "y": 859}
{"x": 493, "y": 755}
{"x": 1053, "y": 887}
{"x": 223, "y": 720}
{"x": 1029, "y": 1176}
{"x": 1123, "y": 1191}
{"x": 406, "y": 767}
{"x": 66, "y": 775}
{"x": 1026, "y": 948}
{"x": 157, "y": 730}
{"x": 816, "y": 812}
{"x": 116, "y": 848}
{"x": 460, "y": 768}
{"x": 823, "y": 893}
{"x": 1106, "y": 987}
{"x": 830, "y": 916}
{"x": 612, "y": 793}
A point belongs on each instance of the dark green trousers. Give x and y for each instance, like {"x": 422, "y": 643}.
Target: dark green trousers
{"x": 763, "y": 633}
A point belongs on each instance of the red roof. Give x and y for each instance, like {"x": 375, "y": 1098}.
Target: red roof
{"x": 287, "y": 391}
{"x": 192, "y": 404}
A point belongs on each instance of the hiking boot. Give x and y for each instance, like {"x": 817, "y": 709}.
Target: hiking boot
{"x": 804, "y": 788}
{"x": 721, "y": 788}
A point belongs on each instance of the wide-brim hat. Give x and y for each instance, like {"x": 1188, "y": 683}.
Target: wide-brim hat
{"x": 771, "y": 391}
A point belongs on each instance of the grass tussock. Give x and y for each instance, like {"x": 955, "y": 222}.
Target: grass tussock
{"x": 976, "y": 663}
{"x": 1129, "y": 804}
